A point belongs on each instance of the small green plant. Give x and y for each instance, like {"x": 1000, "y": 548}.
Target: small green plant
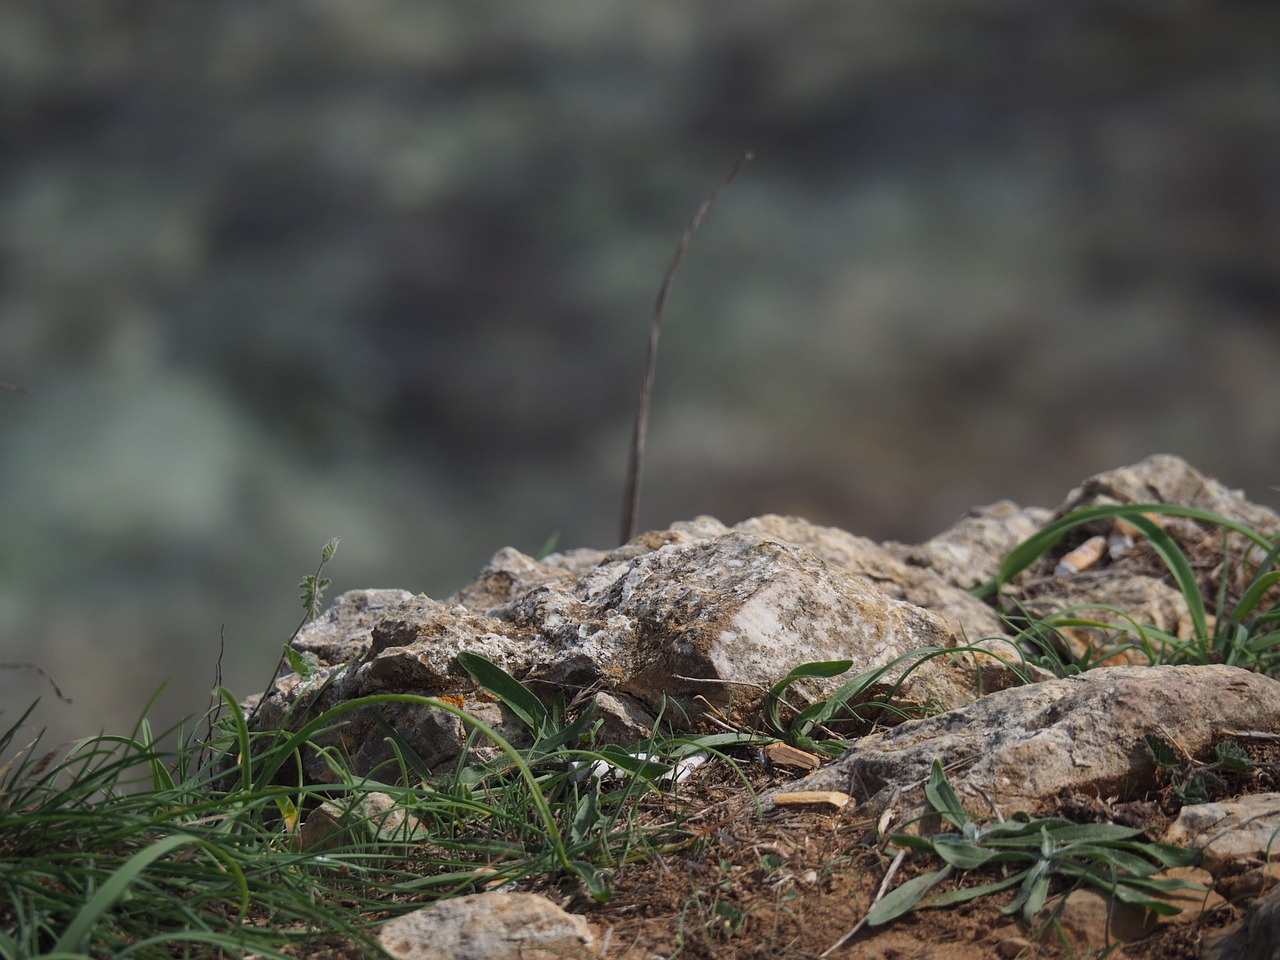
{"x": 854, "y": 700}
{"x": 1242, "y": 630}
{"x": 313, "y": 587}
{"x": 1191, "y": 781}
{"x": 1033, "y": 852}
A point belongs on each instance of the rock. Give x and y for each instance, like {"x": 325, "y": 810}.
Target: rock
{"x": 1090, "y": 921}
{"x": 696, "y": 613}
{"x": 1233, "y": 836}
{"x": 344, "y": 631}
{"x": 488, "y": 926}
{"x": 902, "y": 573}
{"x": 1021, "y": 747}
{"x": 1252, "y": 883}
{"x": 623, "y": 719}
{"x": 1256, "y": 937}
{"x": 329, "y": 825}
{"x": 1010, "y": 948}
{"x": 703, "y": 614}
{"x": 970, "y": 552}
{"x": 1163, "y": 478}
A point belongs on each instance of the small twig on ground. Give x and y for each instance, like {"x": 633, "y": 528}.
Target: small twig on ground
{"x": 631, "y": 502}
{"x": 880, "y": 894}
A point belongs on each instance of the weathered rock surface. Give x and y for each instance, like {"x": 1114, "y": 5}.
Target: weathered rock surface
{"x": 1022, "y": 746}
{"x": 1233, "y": 835}
{"x": 698, "y": 611}
{"x": 1256, "y": 937}
{"x": 488, "y": 926}
{"x": 702, "y": 612}
{"x": 1163, "y": 478}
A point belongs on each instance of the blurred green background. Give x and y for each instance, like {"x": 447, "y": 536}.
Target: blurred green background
{"x": 383, "y": 270}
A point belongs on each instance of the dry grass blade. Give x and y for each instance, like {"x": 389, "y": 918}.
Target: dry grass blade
{"x": 631, "y": 502}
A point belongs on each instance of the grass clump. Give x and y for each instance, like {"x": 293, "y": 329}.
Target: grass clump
{"x": 115, "y": 847}
{"x": 121, "y": 846}
{"x": 1232, "y": 597}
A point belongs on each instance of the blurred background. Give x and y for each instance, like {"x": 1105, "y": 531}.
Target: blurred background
{"x": 274, "y": 273}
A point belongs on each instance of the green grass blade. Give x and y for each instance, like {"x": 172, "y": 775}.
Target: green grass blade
{"x": 1180, "y": 567}
{"x": 822, "y": 668}
{"x": 944, "y": 798}
{"x": 1253, "y": 594}
{"x": 903, "y": 899}
{"x": 1040, "y": 542}
{"x": 519, "y": 698}
{"x": 76, "y": 935}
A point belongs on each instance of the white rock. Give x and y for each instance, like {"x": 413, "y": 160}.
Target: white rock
{"x": 488, "y": 926}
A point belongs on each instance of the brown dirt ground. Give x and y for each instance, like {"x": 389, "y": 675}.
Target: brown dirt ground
{"x": 793, "y": 884}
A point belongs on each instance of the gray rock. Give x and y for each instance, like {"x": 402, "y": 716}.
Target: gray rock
{"x": 696, "y": 611}
{"x": 1234, "y": 835}
{"x": 488, "y": 926}
{"x": 970, "y": 552}
{"x": 343, "y": 632}
{"x": 1163, "y": 478}
{"x": 1021, "y": 747}
{"x": 1256, "y": 937}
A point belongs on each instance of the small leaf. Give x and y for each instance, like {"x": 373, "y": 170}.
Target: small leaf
{"x": 1232, "y": 756}
{"x": 903, "y": 899}
{"x": 965, "y": 894}
{"x": 519, "y": 698}
{"x": 943, "y": 797}
{"x": 594, "y": 880}
{"x": 1193, "y": 792}
{"x": 587, "y": 815}
{"x": 1034, "y": 886}
{"x": 1161, "y": 751}
{"x": 962, "y": 854}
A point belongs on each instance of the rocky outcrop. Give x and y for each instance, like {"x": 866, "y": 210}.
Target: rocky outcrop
{"x": 701, "y": 618}
{"x": 676, "y": 621}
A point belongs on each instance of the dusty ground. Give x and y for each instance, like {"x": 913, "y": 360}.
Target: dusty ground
{"x": 794, "y": 884}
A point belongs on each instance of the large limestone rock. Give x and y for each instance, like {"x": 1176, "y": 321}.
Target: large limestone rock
{"x": 1020, "y": 748}
{"x": 703, "y": 616}
{"x": 698, "y": 613}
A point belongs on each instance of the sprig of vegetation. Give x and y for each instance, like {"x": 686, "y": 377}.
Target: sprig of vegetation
{"x": 1189, "y": 780}
{"x": 1033, "y": 853}
{"x": 117, "y": 847}
{"x": 854, "y": 700}
{"x": 1243, "y": 630}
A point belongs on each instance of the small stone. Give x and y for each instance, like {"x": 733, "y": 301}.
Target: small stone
{"x": 1010, "y": 948}
{"x": 488, "y": 926}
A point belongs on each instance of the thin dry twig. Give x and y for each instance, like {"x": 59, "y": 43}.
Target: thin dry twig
{"x": 631, "y": 501}
{"x": 880, "y": 894}
{"x": 24, "y": 665}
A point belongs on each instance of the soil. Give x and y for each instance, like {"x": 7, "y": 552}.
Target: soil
{"x": 795, "y": 884}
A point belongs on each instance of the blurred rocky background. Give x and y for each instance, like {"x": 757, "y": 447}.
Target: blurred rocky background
{"x": 383, "y": 269}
